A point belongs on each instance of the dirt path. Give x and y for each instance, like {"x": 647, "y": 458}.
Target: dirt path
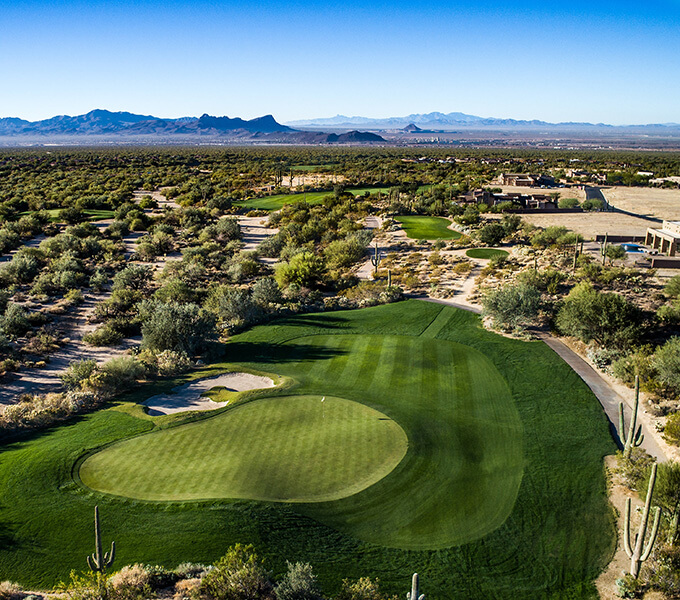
{"x": 254, "y": 230}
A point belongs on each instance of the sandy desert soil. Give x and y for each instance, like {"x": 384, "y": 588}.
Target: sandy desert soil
{"x": 577, "y": 193}
{"x": 650, "y": 202}
{"x": 589, "y": 225}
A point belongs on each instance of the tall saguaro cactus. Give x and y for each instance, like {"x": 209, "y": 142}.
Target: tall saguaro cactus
{"x": 98, "y": 562}
{"x": 634, "y": 437}
{"x": 640, "y": 552}
{"x": 375, "y": 259}
{"x": 413, "y": 594}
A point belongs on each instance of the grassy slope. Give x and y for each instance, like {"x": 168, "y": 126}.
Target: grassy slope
{"x": 557, "y": 537}
{"x": 293, "y": 448}
{"x": 487, "y": 253}
{"x": 427, "y": 228}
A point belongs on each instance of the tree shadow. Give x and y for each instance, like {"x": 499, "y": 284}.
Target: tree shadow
{"x": 324, "y": 321}
{"x": 261, "y": 352}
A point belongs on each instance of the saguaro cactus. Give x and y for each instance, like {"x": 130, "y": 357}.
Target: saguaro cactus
{"x": 375, "y": 259}
{"x": 96, "y": 561}
{"x": 634, "y": 437}
{"x": 640, "y": 553}
{"x": 413, "y": 594}
{"x": 389, "y": 277}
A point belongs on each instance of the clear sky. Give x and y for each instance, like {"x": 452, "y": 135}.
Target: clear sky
{"x": 598, "y": 61}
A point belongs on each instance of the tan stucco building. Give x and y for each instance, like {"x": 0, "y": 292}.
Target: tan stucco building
{"x": 665, "y": 240}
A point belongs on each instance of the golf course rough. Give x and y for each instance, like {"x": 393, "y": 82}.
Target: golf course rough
{"x": 485, "y": 417}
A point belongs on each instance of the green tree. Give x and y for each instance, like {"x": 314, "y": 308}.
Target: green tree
{"x": 491, "y": 234}
{"x": 609, "y": 320}
{"x": 512, "y": 306}
{"x": 567, "y": 203}
{"x": 304, "y": 269}
{"x": 615, "y": 252}
{"x": 172, "y": 326}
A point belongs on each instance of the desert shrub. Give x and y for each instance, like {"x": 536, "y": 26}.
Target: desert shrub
{"x": 666, "y": 362}
{"x": 171, "y": 326}
{"x": 160, "y": 577}
{"x": 672, "y": 429}
{"x": 629, "y": 586}
{"x": 175, "y": 290}
{"x": 98, "y": 280}
{"x": 106, "y": 335}
{"x": 303, "y": 269}
{"x": 120, "y": 373}
{"x": 672, "y": 287}
{"x": 10, "y": 591}
{"x": 89, "y": 586}
{"x": 669, "y": 314}
{"x": 22, "y": 268}
{"x": 638, "y": 362}
{"x": 635, "y": 469}
{"x": 189, "y": 570}
{"x": 187, "y": 589}
{"x": 117, "y": 229}
{"x": 14, "y": 322}
{"x": 362, "y": 589}
{"x": 299, "y": 583}
{"x": 344, "y": 253}
{"x": 233, "y": 306}
{"x": 74, "y": 297}
{"x": 132, "y": 582}
{"x": 77, "y": 373}
{"x": 369, "y": 293}
{"x": 146, "y": 202}
{"x": 512, "y": 306}
{"x": 664, "y": 570}
{"x": 607, "y": 319}
{"x": 266, "y": 292}
{"x": 271, "y": 246}
{"x": 132, "y": 277}
{"x": 238, "y": 575}
{"x": 166, "y": 363}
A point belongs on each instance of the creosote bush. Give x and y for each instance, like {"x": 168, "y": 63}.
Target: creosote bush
{"x": 238, "y": 575}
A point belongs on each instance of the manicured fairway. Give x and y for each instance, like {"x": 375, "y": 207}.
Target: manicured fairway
{"x": 427, "y": 228}
{"x": 292, "y": 448}
{"x": 487, "y": 253}
{"x": 500, "y": 494}
{"x": 277, "y": 201}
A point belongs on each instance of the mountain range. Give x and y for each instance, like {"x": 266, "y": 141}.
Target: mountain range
{"x": 116, "y": 125}
{"x": 454, "y": 120}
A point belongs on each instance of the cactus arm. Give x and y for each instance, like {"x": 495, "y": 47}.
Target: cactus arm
{"x": 110, "y": 556}
{"x": 630, "y": 438}
{"x": 639, "y": 437}
{"x": 91, "y": 563}
{"x": 622, "y": 430}
{"x": 626, "y": 531}
{"x": 652, "y": 536}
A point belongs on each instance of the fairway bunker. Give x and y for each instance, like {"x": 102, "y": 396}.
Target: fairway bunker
{"x": 284, "y": 449}
{"x": 190, "y": 395}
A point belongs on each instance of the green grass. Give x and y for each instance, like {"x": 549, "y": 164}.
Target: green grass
{"x": 427, "y": 228}
{"x": 277, "y": 201}
{"x": 300, "y": 449}
{"x": 485, "y": 416}
{"x": 487, "y": 253}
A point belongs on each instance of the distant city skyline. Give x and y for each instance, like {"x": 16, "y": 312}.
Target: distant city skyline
{"x": 610, "y": 62}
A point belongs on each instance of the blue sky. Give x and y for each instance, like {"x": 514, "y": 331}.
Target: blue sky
{"x": 612, "y": 62}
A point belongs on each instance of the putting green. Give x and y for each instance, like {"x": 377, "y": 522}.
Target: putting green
{"x": 487, "y": 253}
{"x": 293, "y": 448}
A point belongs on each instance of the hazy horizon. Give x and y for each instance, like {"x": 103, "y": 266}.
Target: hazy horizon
{"x": 613, "y": 63}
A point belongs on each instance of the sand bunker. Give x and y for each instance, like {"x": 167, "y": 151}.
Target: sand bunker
{"x": 188, "y": 396}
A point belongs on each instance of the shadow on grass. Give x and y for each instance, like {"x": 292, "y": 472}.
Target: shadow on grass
{"x": 260, "y": 352}
{"x": 322, "y": 321}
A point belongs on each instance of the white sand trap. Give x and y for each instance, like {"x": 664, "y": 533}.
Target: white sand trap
{"x": 188, "y": 396}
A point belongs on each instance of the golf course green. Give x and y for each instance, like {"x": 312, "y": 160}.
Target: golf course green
{"x": 427, "y": 228}
{"x": 487, "y": 253}
{"x": 288, "y": 449}
{"x": 440, "y": 448}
